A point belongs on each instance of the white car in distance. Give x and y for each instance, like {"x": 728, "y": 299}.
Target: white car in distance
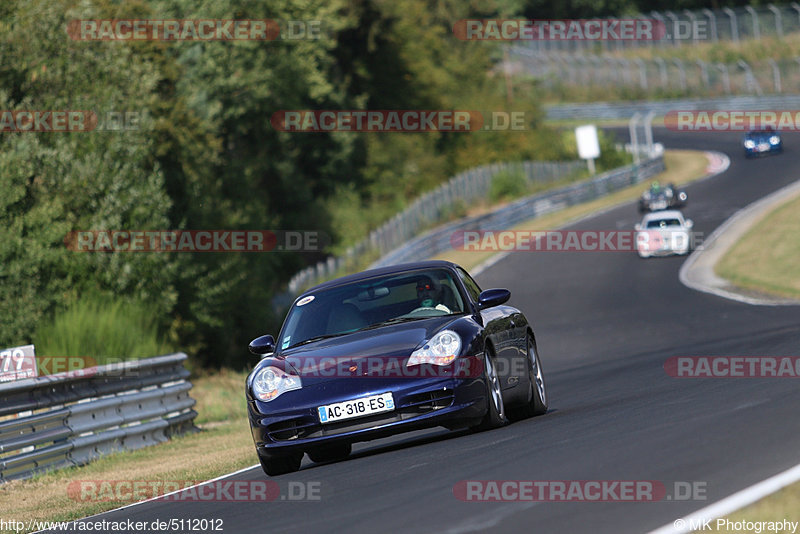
{"x": 663, "y": 233}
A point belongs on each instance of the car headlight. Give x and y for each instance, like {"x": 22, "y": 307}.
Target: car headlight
{"x": 774, "y": 140}
{"x": 442, "y": 349}
{"x": 270, "y": 382}
{"x": 749, "y": 143}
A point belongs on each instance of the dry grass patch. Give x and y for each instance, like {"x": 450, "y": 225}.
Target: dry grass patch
{"x": 766, "y": 258}
{"x": 781, "y": 505}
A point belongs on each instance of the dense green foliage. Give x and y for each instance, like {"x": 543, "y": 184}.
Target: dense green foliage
{"x": 103, "y": 329}
{"x": 204, "y": 155}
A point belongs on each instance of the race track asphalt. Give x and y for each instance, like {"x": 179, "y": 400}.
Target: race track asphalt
{"x": 605, "y": 324}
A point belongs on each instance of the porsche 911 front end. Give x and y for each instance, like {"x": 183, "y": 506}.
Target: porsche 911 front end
{"x": 387, "y": 351}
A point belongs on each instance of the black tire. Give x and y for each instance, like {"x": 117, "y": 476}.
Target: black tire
{"x": 331, "y": 453}
{"x": 537, "y": 390}
{"x": 495, "y": 413}
{"x": 280, "y": 465}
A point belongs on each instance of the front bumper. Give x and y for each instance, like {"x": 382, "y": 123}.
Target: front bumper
{"x": 293, "y": 425}
{"x": 760, "y": 150}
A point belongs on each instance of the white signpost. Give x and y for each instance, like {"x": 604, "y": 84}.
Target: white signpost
{"x": 18, "y": 363}
{"x": 588, "y": 144}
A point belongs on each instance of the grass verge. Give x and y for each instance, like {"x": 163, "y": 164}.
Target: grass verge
{"x": 765, "y": 259}
{"x": 781, "y": 505}
{"x": 682, "y": 166}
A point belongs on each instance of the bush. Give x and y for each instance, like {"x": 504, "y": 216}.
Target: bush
{"x": 507, "y": 184}
{"x": 104, "y": 328}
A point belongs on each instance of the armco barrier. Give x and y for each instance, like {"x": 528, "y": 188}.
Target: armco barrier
{"x": 81, "y": 415}
{"x": 439, "y": 240}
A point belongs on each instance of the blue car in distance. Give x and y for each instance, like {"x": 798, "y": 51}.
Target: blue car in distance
{"x": 761, "y": 142}
{"x": 386, "y": 351}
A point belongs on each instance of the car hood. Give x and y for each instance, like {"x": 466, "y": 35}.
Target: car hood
{"x": 391, "y": 343}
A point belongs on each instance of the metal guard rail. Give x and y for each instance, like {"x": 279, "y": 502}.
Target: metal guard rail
{"x": 441, "y": 239}
{"x": 81, "y": 415}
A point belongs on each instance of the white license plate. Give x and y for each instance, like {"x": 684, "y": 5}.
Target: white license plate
{"x": 356, "y": 408}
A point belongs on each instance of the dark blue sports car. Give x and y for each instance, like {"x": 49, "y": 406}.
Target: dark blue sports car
{"x": 387, "y": 351}
{"x": 759, "y": 142}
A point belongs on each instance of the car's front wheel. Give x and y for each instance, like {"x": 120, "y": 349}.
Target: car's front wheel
{"x": 496, "y": 410}
{"x": 538, "y": 391}
{"x": 280, "y": 465}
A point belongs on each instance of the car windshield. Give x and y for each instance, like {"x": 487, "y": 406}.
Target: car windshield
{"x": 371, "y": 303}
{"x": 663, "y": 223}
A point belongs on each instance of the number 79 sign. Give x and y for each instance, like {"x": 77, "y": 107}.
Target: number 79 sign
{"x": 18, "y": 363}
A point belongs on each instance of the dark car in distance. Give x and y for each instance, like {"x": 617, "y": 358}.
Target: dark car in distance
{"x": 386, "y": 351}
{"x": 659, "y": 197}
{"x": 762, "y": 142}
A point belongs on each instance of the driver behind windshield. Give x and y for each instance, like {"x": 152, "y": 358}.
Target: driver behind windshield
{"x": 429, "y": 294}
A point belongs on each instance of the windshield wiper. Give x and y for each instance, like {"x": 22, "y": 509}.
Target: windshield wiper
{"x": 387, "y": 322}
{"x": 316, "y": 338}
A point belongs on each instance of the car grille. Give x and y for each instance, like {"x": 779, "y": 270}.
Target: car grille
{"x": 308, "y": 426}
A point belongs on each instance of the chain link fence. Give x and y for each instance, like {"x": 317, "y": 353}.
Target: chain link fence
{"x": 669, "y": 76}
{"x": 686, "y": 28}
{"x": 594, "y": 63}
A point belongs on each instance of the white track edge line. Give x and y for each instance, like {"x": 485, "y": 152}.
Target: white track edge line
{"x": 733, "y": 502}
{"x": 161, "y": 496}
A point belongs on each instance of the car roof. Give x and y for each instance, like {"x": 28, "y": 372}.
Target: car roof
{"x": 390, "y": 269}
{"x": 664, "y": 214}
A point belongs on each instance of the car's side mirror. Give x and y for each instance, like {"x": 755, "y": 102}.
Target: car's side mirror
{"x": 262, "y": 345}
{"x": 637, "y": 227}
{"x": 493, "y": 297}
{"x": 689, "y": 223}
